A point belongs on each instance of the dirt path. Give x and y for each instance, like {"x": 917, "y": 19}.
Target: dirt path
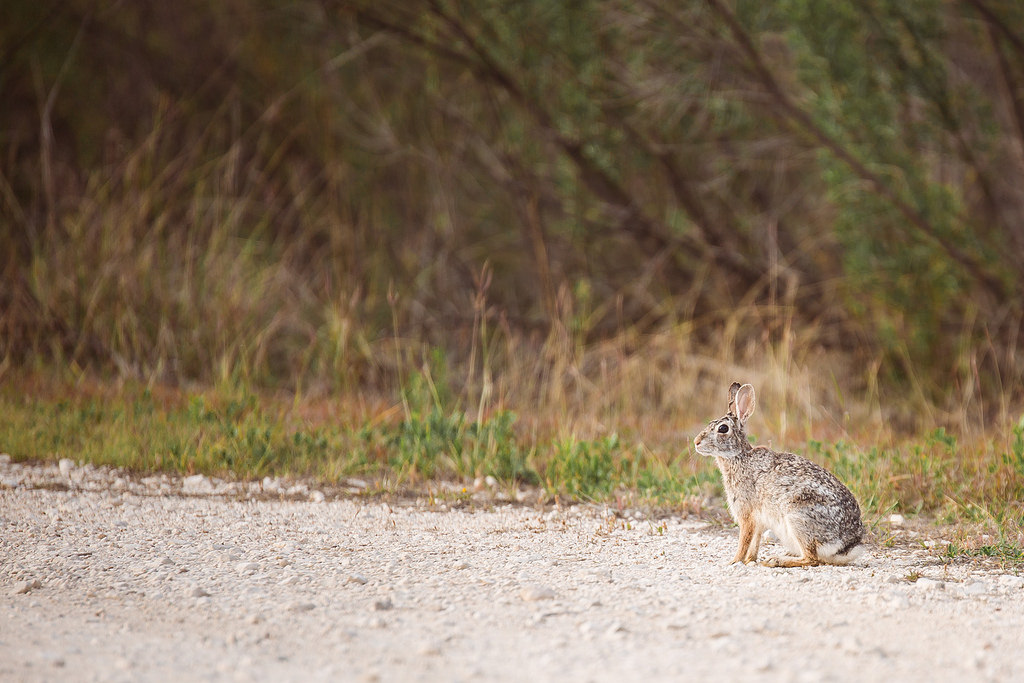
{"x": 112, "y": 580}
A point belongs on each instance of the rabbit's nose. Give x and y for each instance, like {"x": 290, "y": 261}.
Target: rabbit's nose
{"x": 696, "y": 441}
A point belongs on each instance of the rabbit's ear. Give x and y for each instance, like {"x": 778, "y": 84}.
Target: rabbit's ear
{"x": 743, "y": 403}
{"x": 732, "y": 397}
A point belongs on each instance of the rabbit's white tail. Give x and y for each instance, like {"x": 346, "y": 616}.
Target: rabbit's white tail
{"x": 835, "y": 553}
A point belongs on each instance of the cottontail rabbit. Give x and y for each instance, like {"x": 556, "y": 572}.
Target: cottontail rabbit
{"x": 810, "y": 511}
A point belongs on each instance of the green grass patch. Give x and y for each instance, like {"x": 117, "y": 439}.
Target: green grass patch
{"x": 233, "y": 433}
{"x": 451, "y": 446}
{"x": 223, "y": 436}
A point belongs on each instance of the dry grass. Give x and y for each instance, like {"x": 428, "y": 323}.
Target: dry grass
{"x": 204, "y": 341}
{"x": 610, "y": 421}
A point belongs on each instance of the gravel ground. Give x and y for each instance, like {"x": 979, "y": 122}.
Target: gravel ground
{"x": 107, "y": 578}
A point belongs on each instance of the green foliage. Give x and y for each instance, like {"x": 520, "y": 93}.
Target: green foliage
{"x": 1004, "y": 551}
{"x": 1014, "y": 458}
{"x": 439, "y": 445}
{"x": 588, "y": 469}
{"x": 669, "y": 484}
{"x": 229, "y": 436}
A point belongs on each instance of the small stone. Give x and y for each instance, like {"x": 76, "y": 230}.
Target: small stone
{"x": 302, "y": 607}
{"x": 1011, "y": 582}
{"x": 317, "y": 496}
{"x": 898, "y": 600}
{"x": 459, "y": 566}
{"x": 535, "y": 593}
{"x": 925, "y": 583}
{"x": 197, "y": 484}
{"x": 271, "y": 485}
{"x": 975, "y": 588}
{"x": 490, "y": 481}
{"x": 383, "y": 605}
{"x": 851, "y": 644}
{"x": 897, "y": 519}
{"x": 614, "y": 629}
{"x": 66, "y": 465}
{"x": 357, "y": 578}
{"x": 198, "y": 592}
{"x": 246, "y": 567}
{"x": 27, "y": 586}
{"x": 5, "y": 458}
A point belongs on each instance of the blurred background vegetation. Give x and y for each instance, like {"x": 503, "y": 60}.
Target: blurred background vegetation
{"x": 609, "y": 209}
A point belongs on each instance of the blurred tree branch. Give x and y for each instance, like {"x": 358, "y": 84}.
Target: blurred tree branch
{"x": 802, "y": 120}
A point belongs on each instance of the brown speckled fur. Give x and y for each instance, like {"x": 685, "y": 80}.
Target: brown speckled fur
{"x": 806, "y": 507}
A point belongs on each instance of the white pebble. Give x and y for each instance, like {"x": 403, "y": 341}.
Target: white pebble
{"x": 975, "y": 588}
{"x": 897, "y": 519}
{"x": 246, "y": 567}
{"x": 534, "y": 593}
{"x": 898, "y": 600}
{"x": 27, "y": 586}
{"x": 197, "y": 484}
{"x": 615, "y": 628}
{"x": 66, "y": 465}
{"x": 1011, "y": 582}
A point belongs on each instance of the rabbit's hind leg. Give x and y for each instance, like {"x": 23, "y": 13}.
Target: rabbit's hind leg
{"x": 809, "y": 558}
{"x": 790, "y": 561}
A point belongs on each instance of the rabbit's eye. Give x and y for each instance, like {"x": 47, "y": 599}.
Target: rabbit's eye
{"x": 723, "y": 429}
